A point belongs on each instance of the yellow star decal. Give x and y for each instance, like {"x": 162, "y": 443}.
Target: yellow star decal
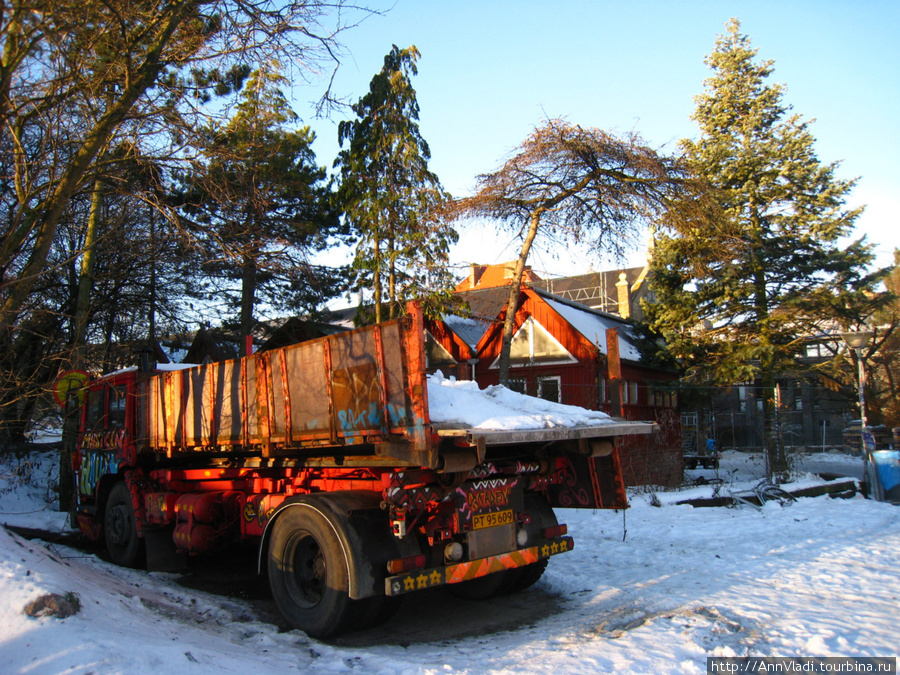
{"x": 545, "y": 551}
{"x": 422, "y": 581}
{"x": 409, "y": 584}
{"x": 435, "y": 578}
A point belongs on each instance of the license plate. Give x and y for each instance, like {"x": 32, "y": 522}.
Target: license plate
{"x": 484, "y": 520}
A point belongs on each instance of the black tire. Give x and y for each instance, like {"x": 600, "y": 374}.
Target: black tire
{"x": 120, "y": 528}
{"x": 542, "y": 516}
{"x": 519, "y": 578}
{"x": 308, "y": 573}
{"x": 373, "y": 611}
{"x": 481, "y": 588}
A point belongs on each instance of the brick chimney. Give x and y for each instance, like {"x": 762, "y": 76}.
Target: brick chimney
{"x": 623, "y": 296}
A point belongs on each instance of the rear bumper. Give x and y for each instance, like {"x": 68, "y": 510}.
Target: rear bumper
{"x": 465, "y": 571}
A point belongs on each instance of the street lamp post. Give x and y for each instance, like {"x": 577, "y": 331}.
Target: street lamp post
{"x": 858, "y": 341}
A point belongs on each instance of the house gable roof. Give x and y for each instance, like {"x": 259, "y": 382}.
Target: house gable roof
{"x": 488, "y": 308}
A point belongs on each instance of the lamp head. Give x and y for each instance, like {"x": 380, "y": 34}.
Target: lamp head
{"x": 858, "y": 339}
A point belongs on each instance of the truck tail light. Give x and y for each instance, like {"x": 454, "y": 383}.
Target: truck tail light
{"x": 401, "y": 565}
{"x": 555, "y": 531}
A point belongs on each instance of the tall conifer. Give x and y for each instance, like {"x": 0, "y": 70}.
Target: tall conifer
{"x": 261, "y": 204}
{"x": 390, "y": 197}
{"x": 738, "y": 290}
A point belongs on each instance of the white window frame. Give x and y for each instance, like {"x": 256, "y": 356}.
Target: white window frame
{"x": 546, "y": 378}
{"x": 629, "y": 392}
{"x": 530, "y": 322}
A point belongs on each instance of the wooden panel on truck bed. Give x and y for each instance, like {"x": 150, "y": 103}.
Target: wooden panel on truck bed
{"x": 362, "y": 386}
{"x": 306, "y": 392}
{"x": 355, "y": 384}
{"x": 227, "y": 413}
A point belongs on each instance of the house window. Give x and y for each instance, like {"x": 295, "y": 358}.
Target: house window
{"x": 604, "y": 390}
{"x": 661, "y": 398}
{"x": 818, "y": 350}
{"x": 550, "y": 388}
{"x": 532, "y": 344}
{"x": 435, "y": 353}
{"x": 630, "y": 392}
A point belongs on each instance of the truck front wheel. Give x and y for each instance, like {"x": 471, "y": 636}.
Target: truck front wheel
{"x": 308, "y": 572}
{"x": 120, "y": 529}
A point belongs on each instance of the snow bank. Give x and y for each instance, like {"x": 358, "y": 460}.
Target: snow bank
{"x": 497, "y": 408}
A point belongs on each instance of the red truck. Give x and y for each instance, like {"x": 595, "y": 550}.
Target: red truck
{"x": 324, "y": 453}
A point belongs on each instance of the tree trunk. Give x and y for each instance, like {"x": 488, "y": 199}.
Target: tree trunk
{"x": 82, "y": 316}
{"x": 49, "y": 212}
{"x": 151, "y": 312}
{"x": 392, "y": 279}
{"x": 376, "y": 277}
{"x": 248, "y": 294}
{"x": 86, "y": 278}
{"x": 776, "y": 461}
{"x": 512, "y": 302}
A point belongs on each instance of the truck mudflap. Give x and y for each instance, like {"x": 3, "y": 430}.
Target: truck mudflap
{"x": 456, "y": 573}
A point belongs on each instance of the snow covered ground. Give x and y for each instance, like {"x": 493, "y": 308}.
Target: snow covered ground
{"x": 650, "y": 590}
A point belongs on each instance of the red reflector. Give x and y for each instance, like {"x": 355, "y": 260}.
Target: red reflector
{"x": 401, "y": 565}
{"x": 556, "y": 531}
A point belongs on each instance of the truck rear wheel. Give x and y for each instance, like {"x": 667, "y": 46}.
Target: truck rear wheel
{"x": 120, "y": 528}
{"x": 481, "y": 588}
{"x": 519, "y": 578}
{"x": 308, "y": 572}
{"x": 542, "y": 516}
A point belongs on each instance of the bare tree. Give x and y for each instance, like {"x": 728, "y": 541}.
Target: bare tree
{"x": 576, "y": 184}
{"x": 74, "y": 73}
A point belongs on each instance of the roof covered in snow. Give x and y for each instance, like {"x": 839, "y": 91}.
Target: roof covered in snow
{"x": 486, "y": 305}
{"x": 593, "y": 326}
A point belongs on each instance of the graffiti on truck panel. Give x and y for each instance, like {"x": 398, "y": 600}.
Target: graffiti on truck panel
{"x": 95, "y": 465}
{"x": 359, "y": 401}
{"x": 371, "y": 418}
{"x": 514, "y": 467}
{"x": 113, "y": 438}
{"x": 356, "y": 394}
{"x": 351, "y": 420}
{"x": 573, "y": 487}
{"x": 414, "y": 497}
{"x": 485, "y": 494}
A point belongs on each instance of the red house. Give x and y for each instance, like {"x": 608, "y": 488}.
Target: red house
{"x": 566, "y": 352}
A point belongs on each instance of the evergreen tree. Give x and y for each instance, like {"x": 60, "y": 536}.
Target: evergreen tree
{"x": 738, "y": 290}
{"x": 884, "y": 362}
{"x": 261, "y": 204}
{"x": 389, "y": 196}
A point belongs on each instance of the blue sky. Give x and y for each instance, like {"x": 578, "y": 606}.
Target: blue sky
{"x": 491, "y": 70}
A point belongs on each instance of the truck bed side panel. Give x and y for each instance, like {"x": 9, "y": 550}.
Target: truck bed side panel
{"x": 362, "y": 386}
